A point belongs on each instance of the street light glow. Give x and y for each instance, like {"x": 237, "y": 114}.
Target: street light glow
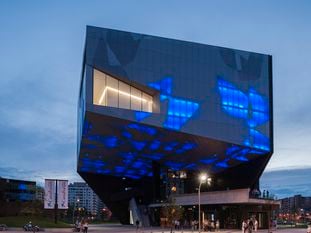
{"x": 203, "y": 177}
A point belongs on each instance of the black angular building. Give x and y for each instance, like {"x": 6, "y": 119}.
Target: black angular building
{"x": 155, "y": 112}
{"x": 17, "y": 190}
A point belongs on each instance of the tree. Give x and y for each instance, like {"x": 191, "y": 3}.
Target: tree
{"x": 171, "y": 212}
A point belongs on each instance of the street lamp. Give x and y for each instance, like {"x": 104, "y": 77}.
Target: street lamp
{"x": 74, "y": 208}
{"x": 203, "y": 178}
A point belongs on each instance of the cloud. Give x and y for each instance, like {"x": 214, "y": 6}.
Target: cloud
{"x": 287, "y": 182}
{"x": 38, "y": 176}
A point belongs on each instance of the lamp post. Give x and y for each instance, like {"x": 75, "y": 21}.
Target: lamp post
{"x": 203, "y": 178}
{"x": 74, "y": 208}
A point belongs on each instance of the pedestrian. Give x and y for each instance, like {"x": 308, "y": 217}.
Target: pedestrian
{"x": 217, "y": 225}
{"x": 212, "y": 226}
{"x": 137, "y": 225}
{"x": 255, "y": 225}
{"x": 250, "y": 225}
{"x": 85, "y": 226}
{"x": 192, "y": 225}
{"x": 178, "y": 225}
{"x": 244, "y": 226}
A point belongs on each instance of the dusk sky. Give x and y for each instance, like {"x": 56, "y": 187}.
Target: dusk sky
{"x": 41, "y": 57}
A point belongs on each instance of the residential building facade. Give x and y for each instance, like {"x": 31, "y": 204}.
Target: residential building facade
{"x": 80, "y": 195}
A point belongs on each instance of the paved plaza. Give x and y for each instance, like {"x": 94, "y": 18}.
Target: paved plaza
{"x": 110, "y": 228}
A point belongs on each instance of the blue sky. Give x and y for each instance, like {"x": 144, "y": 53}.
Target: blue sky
{"x": 41, "y": 54}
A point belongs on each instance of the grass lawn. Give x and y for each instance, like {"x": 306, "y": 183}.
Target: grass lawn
{"x": 20, "y": 221}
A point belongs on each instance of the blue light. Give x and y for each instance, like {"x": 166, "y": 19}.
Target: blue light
{"x": 170, "y": 146}
{"x": 138, "y": 145}
{"x": 104, "y": 171}
{"x": 142, "y": 172}
{"x": 188, "y": 146}
{"x": 91, "y": 163}
{"x": 141, "y": 115}
{"x": 155, "y": 145}
{"x": 232, "y": 150}
{"x": 222, "y": 164}
{"x": 135, "y": 177}
{"x": 241, "y": 158}
{"x": 119, "y": 169}
{"x": 179, "y": 110}
{"x": 143, "y": 129}
{"x": 84, "y": 169}
{"x": 128, "y": 155}
{"x": 138, "y": 164}
{"x": 164, "y": 86}
{"x": 208, "y": 161}
{"x": 22, "y": 186}
{"x": 163, "y": 97}
{"x": 110, "y": 141}
{"x": 260, "y": 141}
{"x": 258, "y": 152}
{"x": 126, "y": 134}
{"x": 251, "y": 106}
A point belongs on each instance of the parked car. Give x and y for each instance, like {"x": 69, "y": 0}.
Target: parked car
{"x": 3, "y": 227}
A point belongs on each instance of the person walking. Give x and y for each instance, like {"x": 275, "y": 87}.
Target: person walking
{"x": 244, "y": 226}
{"x": 250, "y": 225}
{"x": 217, "y": 225}
{"x": 137, "y": 225}
{"x": 85, "y": 226}
{"x": 255, "y": 225}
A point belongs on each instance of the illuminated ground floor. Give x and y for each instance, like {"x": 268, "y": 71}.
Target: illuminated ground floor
{"x": 229, "y": 207}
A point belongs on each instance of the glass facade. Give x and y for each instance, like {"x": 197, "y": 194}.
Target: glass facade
{"x": 171, "y": 109}
{"x": 111, "y": 92}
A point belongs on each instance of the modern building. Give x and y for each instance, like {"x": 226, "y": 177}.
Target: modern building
{"x": 295, "y": 204}
{"x": 154, "y": 113}
{"x": 80, "y": 195}
{"x": 39, "y": 194}
{"x": 17, "y": 190}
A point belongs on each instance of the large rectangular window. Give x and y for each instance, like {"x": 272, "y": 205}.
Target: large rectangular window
{"x": 108, "y": 91}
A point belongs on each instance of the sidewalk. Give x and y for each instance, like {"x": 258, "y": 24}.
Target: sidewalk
{"x": 129, "y": 229}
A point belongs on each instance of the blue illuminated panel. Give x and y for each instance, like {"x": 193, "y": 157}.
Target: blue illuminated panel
{"x": 179, "y": 110}
{"x": 135, "y": 146}
{"x": 251, "y": 107}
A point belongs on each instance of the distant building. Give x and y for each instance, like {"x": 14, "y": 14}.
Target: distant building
{"x": 39, "y": 193}
{"x": 80, "y": 195}
{"x": 295, "y": 204}
{"x": 17, "y": 190}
